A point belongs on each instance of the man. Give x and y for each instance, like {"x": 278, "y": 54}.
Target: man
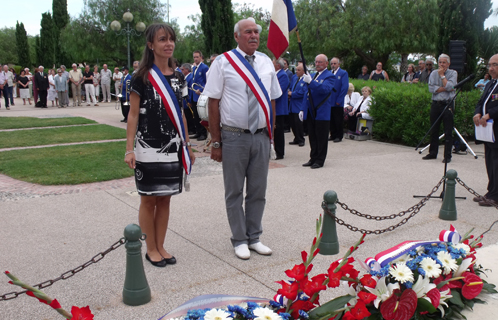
{"x": 10, "y": 83}
{"x": 199, "y": 82}
{"x": 421, "y": 68}
{"x": 105, "y": 83}
{"x": 364, "y": 73}
{"x": 136, "y": 64}
{"x": 4, "y": 85}
{"x": 341, "y": 87}
{"x": 175, "y": 65}
{"x": 243, "y": 150}
{"x": 287, "y": 71}
{"x": 212, "y": 58}
{"x": 76, "y": 78}
{"x": 42, "y": 85}
{"x": 116, "y": 77}
{"x": 297, "y": 90}
{"x": 66, "y": 74}
{"x": 281, "y": 109}
{"x": 89, "y": 87}
{"x": 125, "y": 94}
{"x": 316, "y": 110}
{"x": 424, "y": 75}
{"x": 487, "y": 109}
{"x": 61, "y": 88}
{"x": 187, "y": 107}
{"x": 441, "y": 85}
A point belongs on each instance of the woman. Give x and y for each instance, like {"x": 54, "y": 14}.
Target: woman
{"x": 52, "y": 93}
{"x": 379, "y": 74}
{"x": 350, "y": 100}
{"x": 483, "y": 82}
{"x": 360, "y": 109}
{"x": 96, "y": 82}
{"x": 408, "y": 77}
{"x": 23, "y": 83}
{"x": 160, "y": 147}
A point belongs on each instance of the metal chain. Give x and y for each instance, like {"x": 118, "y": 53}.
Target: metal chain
{"x": 412, "y": 210}
{"x": 67, "y": 274}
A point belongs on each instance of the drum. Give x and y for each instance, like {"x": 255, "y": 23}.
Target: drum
{"x": 202, "y": 107}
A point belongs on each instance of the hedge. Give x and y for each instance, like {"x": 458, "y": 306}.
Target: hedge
{"x": 401, "y": 111}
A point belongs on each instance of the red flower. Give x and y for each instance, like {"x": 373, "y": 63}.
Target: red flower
{"x": 298, "y": 272}
{"x": 348, "y": 316}
{"x": 366, "y": 297}
{"x": 289, "y": 290}
{"x": 368, "y": 281}
{"x": 315, "y": 285}
{"x": 300, "y": 305}
{"x": 360, "y": 311}
{"x": 399, "y": 308}
{"x": 435, "y": 296}
{"x": 334, "y": 278}
{"x": 304, "y": 256}
{"x": 473, "y": 285}
{"x": 81, "y": 313}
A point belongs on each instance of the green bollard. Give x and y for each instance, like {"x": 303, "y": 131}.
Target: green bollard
{"x": 136, "y": 290}
{"x": 329, "y": 244}
{"x": 448, "y": 208}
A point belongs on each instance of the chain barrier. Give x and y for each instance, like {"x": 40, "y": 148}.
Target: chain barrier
{"x": 412, "y": 210}
{"x": 67, "y": 274}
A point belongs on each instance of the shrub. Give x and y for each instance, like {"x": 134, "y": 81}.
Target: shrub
{"x": 402, "y": 111}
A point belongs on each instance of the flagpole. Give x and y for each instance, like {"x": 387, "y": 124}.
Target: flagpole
{"x": 301, "y": 50}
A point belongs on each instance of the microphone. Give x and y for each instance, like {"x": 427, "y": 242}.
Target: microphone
{"x": 464, "y": 81}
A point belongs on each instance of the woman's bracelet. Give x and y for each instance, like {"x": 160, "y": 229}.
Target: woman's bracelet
{"x": 128, "y": 152}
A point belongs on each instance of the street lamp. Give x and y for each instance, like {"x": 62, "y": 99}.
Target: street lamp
{"x": 128, "y": 18}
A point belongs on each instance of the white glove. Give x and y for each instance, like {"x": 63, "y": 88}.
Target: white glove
{"x": 301, "y": 115}
{"x": 307, "y": 78}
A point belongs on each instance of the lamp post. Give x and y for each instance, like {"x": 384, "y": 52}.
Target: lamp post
{"x": 128, "y": 18}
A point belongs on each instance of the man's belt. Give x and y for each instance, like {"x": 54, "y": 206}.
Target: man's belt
{"x": 240, "y": 130}
{"x": 443, "y": 101}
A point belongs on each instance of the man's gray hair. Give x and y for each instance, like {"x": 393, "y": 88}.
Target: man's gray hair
{"x": 59, "y": 70}
{"x": 280, "y": 62}
{"x": 74, "y": 65}
{"x": 338, "y": 60}
{"x": 429, "y": 60}
{"x": 187, "y": 66}
{"x": 236, "y": 28}
{"x": 444, "y": 56}
{"x": 63, "y": 66}
{"x": 41, "y": 67}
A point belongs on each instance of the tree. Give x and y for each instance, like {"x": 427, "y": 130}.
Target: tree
{"x": 61, "y": 19}
{"x": 89, "y": 37}
{"x": 217, "y": 25}
{"x": 22, "y": 46}
{"x": 189, "y": 40}
{"x": 47, "y": 40}
{"x": 488, "y": 43}
{"x": 8, "y": 45}
{"x": 463, "y": 20}
{"x": 38, "y": 51}
{"x": 262, "y": 17}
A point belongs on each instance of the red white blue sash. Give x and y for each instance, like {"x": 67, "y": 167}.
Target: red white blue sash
{"x": 172, "y": 107}
{"x": 251, "y": 78}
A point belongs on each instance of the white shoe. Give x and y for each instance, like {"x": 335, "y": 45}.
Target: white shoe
{"x": 87, "y": 104}
{"x": 260, "y": 248}
{"x": 242, "y": 252}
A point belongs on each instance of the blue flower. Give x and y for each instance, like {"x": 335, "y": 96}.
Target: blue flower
{"x": 421, "y": 271}
{"x": 408, "y": 284}
{"x": 285, "y": 316}
{"x": 303, "y": 314}
{"x": 275, "y": 304}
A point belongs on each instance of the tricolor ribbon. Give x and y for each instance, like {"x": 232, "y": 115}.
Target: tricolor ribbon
{"x": 451, "y": 235}
{"x": 251, "y": 78}
{"x": 173, "y": 110}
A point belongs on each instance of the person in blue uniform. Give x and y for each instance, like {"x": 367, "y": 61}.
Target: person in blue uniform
{"x": 186, "y": 69}
{"x": 340, "y": 90}
{"x": 125, "y": 94}
{"x": 199, "y": 81}
{"x": 297, "y": 90}
{"x": 281, "y": 108}
{"x": 316, "y": 110}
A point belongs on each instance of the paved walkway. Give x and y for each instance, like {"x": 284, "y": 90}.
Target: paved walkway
{"x": 64, "y": 226}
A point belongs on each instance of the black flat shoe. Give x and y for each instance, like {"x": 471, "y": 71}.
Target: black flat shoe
{"x": 171, "y": 260}
{"x": 308, "y": 164}
{"x": 161, "y": 264}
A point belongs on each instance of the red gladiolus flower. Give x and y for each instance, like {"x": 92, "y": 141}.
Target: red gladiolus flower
{"x": 304, "y": 256}
{"x": 360, "y": 311}
{"x": 81, "y": 313}
{"x": 298, "y": 272}
{"x": 315, "y": 285}
{"x": 435, "y": 296}
{"x": 334, "y": 279}
{"x": 366, "y": 297}
{"x": 300, "y": 305}
{"x": 368, "y": 281}
{"x": 348, "y": 316}
{"x": 289, "y": 290}
{"x": 399, "y": 308}
{"x": 473, "y": 285}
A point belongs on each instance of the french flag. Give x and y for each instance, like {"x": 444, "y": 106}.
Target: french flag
{"x": 283, "y": 21}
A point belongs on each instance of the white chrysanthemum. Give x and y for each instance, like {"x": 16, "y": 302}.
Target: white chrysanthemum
{"x": 265, "y": 314}
{"x": 463, "y": 246}
{"x": 217, "y": 314}
{"x": 403, "y": 259}
{"x": 430, "y": 267}
{"x": 401, "y": 273}
{"x": 449, "y": 264}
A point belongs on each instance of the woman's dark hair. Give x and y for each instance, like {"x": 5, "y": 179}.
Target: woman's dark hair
{"x": 148, "y": 55}
{"x": 22, "y": 70}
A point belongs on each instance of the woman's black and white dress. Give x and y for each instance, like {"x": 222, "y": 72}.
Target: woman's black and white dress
{"x": 159, "y": 170}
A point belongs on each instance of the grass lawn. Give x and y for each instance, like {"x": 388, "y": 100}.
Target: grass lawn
{"x": 38, "y": 137}
{"x": 31, "y": 122}
{"x": 67, "y": 164}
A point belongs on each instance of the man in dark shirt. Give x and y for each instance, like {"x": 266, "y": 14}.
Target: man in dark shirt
{"x": 89, "y": 87}
{"x": 41, "y": 80}
{"x": 364, "y": 73}
{"x": 424, "y": 75}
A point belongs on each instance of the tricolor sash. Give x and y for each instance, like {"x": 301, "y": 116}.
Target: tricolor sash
{"x": 389, "y": 255}
{"x": 172, "y": 107}
{"x": 251, "y": 78}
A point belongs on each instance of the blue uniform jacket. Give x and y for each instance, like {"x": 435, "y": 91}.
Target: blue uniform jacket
{"x": 282, "y": 103}
{"x": 199, "y": 77}
{"x": 341, "y": 86}
{"x": 125, "y": 96}
{"x": 296, "y": 99}
{"x": 320, "y": 89}
{"x": 188, "y": 78}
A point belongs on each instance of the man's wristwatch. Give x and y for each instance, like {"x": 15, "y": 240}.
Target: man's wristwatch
{"x": 443, "y": 77}
{"x": 216, "y": 145}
